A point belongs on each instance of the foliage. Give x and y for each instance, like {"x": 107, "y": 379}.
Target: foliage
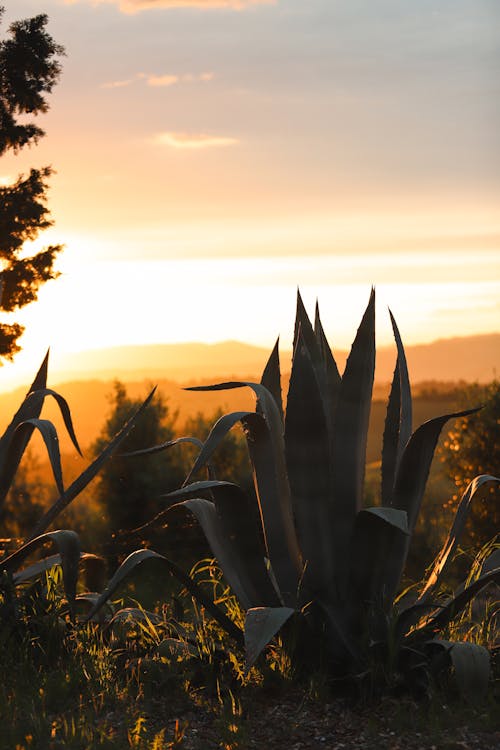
{"x": 29, "y": 69}
{"x": 20, "y": 599}
{"x": 471, "y": 446}
{"x": 324, "y": 569}
{"x": 128, "y": 486}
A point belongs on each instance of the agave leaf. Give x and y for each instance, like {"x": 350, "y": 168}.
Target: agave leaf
{"x": 351, "y": 430}
{"x": 63, "y": 408}
{"x": 34, "y": 570}
{"x": 261, "y": 625}
{"x": 332, "y": 375}
{"x": 409, "y": 486}
{"x": 305, "y": 332}
{"x": 68, "y": 545}
{"x": 374, "y": 532}
{"x": 453, "y": 607}
{"x": 415, "y": 464}
{"x": 239, "y": 527}
{"x": 136, "y": 614}
{"x": 130, "y": 564}
{"x": 29, "y": 409}
{"x": 163, "y": 446}
{"x": 326, "y": 353}
{"x": 275, "y": 507}
{"x": 21, "y": 436}
{"x": 271, "y": 377}
{"x": 214, "y": 439}
{"x": 264, "y": 432}
{"x": 471, "y": 664}
{"x": 89, "y": 473}
{"x": 308, "y": 462}
{"x": 470, "y": 494}
{"x": 398, "y": 423}
{"x": 233, "y": 567}
{"x": 175, "y": 648}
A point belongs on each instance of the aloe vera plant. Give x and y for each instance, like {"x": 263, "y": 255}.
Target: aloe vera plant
{"x": 14, "y": 575}
{"x": 319, "y": 558}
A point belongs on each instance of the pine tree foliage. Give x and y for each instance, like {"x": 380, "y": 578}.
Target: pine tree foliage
{"x": 29, "y": 69}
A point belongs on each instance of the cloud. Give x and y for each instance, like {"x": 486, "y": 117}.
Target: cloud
{"x": 136, "y": 6}
{"x": 167, "y": 79}
{"x": 193, "y": 140}
{"x": 120, "y": 84}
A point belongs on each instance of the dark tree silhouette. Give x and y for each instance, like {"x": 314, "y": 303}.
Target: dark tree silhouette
{"x": 29, "y": 69}
{"x": 128, "y": 487}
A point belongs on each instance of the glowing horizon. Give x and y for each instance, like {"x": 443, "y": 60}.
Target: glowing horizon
{"x": 214, "y": 155}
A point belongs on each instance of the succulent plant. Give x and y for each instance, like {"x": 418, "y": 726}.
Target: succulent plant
{"x": 14, "y": 575}
{"x": 318, "y": 558}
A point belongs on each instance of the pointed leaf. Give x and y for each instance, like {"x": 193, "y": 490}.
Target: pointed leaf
{"x": 410, "y": 484}
{"x": 398, "y": 424}
{"x": 232, "y": 565}
{"x": 130, "y": 564}
{"x": 308, "y": 462}
{"x": 261, "y": 625}
{"x": 271, "y": 378}
{"x": 90, "y": 472}
{"x": 350, "y": 438}
{"x": 63, "y": 408}
{"x": 239, "y": 527}
{"x": 264, "y": 431}
{"x": 470, "y": 494}
{"x": 29, "y": 409}
{"x": 48, "y": 432}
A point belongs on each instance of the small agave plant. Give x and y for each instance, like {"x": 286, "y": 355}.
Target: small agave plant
{"x": 16, "y": 596}
{"x": 319, "y": 566}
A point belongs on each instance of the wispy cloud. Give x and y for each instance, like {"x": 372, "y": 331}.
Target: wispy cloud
{"x": 166, "y": 79}
{"x": 136, "y": 6}
{"x": 193, "y": 140}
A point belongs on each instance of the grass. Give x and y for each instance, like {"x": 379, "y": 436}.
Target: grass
{"x": 176, "y": 682}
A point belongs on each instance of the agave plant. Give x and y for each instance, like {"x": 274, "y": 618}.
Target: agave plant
{"x": 317, "y": 557}
{"x": 14, "y": 441}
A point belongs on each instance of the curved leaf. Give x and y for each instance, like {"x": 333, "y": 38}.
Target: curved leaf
{"x": 471, "y": 664}
{"x": 68, "y": 545}
{"x": 233, "y": 567}
{"x": 410, "y": 482}
{"x": 266, "y": 449}
{"x": 29, "y": 409}
{"x": 261, "y": 625}
{"x": 130, "y": 564}
{"x": 214, "y": 439}
{"x": 49, "y": 434}
{"x": 450, "y": 544}
{"x": 90, "y": 472}
{"x": 239, "y": 527}
{"x": 370, "y": 563}
{"x": 63, "y": 408}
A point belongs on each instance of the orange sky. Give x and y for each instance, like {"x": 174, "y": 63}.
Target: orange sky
{"x": 213, "y": 156}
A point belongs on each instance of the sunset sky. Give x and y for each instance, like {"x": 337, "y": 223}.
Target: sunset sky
{"x": 212, "y": 156}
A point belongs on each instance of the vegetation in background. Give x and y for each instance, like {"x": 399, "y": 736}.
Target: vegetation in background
{"x": 469, "y": 447}
{"x": 128, "y": 487}
{"x": 29, "y": 69}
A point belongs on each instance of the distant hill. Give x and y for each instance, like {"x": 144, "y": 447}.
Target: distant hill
{"x": 87, "y": 390}
{"x": 470, "y": 358}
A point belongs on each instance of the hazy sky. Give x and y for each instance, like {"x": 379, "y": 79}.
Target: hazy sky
{"x": 211, "y": 156}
